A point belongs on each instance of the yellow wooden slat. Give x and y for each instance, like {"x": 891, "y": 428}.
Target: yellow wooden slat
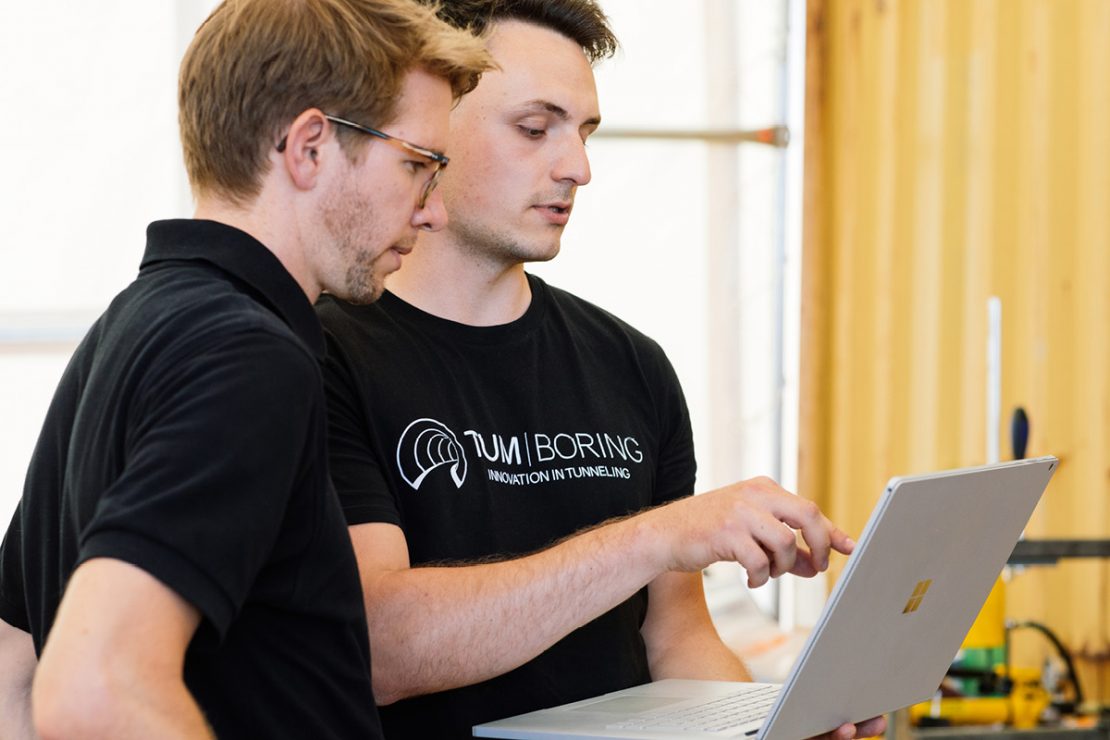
{"x": 958, "y": 150}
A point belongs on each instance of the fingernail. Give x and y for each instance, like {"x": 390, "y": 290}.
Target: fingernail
{"x": 851, "y": 543}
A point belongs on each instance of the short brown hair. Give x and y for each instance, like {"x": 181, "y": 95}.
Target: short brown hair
{"x": 581, "y": 21}
{"x": 255, "y": 65}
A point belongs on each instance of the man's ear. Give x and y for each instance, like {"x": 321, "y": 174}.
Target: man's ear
{"x": 303, "y": 144}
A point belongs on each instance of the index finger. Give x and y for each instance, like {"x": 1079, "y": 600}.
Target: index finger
{"x": 839, "y": 541}
{"x": 818, "y": 532}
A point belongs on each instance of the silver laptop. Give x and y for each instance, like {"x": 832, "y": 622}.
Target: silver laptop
{"x": 921, "y": 570}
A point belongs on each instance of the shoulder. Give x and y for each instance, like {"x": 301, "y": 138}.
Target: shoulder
{"x": 220, "y": 307}
{"x": 196, "y": 319}
{"x": 594, "y": 322}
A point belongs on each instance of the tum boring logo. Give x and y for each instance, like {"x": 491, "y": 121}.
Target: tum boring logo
{"x": 425, "y": 445}
{"x": 524, "y": 458}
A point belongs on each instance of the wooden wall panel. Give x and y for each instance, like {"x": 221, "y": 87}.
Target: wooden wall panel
{"x": 956, "y": 151}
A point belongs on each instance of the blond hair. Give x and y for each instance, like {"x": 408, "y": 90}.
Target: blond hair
{"x": 255, "y": 65}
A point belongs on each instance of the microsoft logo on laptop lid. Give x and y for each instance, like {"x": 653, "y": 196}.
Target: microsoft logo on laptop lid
{"x": 918, "y": 594}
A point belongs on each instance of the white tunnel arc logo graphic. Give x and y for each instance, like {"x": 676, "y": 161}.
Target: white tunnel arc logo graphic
{"x": 425, "y": 445}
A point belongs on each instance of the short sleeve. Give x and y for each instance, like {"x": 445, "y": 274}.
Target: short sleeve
{"x": 677, "y": 466}
{"x": 356, "y": 469}
{"x": 214, "y": 448}
{"x": 13, "y": 608}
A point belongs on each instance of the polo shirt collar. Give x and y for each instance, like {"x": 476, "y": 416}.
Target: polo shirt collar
{"x": 244, "y": 257}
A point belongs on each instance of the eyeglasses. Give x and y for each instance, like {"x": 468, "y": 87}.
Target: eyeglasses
{"x": 439, "y": 160}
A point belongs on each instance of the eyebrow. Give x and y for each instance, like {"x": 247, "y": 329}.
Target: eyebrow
{"x": 560, "y": 112}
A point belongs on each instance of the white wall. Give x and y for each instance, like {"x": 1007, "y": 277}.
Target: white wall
{"x": 89, "y": 143}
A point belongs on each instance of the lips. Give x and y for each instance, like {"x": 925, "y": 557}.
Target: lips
{"x": 560, "y": 206}
{"x": 404, "y": 247}
{"x": 555, "y": 214}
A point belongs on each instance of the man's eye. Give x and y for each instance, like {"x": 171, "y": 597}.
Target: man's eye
{"x": 531, "y": 133}
{"x": 417, "y": 166}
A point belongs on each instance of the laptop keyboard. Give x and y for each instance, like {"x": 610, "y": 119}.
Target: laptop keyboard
{"x": 718, "y": 715}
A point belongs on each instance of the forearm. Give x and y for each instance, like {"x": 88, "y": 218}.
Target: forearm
{"x": 17, "y": 658}
{"x": 438, "y": 628}
{"x": 173, "y": 713}
{"x": 703, "y": 657}
{"x": 114, "y": 662}
{"x": 117, "y": 711}
{"x": 432, "y": 629}
{"x": 679, "y": 634}
{"x": 15, "y": 711}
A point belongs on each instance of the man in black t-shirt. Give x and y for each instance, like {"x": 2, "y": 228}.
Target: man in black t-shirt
{"x": 493, "y": 439}
{"x": 178, "y": 565}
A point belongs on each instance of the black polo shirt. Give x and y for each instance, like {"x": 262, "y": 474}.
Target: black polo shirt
{"x": 187, "y": 437}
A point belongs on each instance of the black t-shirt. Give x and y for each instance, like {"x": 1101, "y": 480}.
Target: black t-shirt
{"x": 498, "y": 441}
{"x": 188, "y": 437}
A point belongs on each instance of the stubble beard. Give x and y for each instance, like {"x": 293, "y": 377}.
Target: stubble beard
{"x": 490, "y": 242}
{"x": 350, "y": 224}
{"x": 363, "y": 284}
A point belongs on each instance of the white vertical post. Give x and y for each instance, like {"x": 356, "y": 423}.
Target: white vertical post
{"x": 792, "y": 590}
{"x": 994, "y": 377}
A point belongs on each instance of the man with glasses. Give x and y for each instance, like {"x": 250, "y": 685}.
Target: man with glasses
{"x": 178, "y": 565}
{"x": 436, "y": 161}
{"x": 493, "y": 438}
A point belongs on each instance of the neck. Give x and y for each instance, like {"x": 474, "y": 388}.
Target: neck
{"x": 446, "y": 279}
{"x": 275, "y": 228}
